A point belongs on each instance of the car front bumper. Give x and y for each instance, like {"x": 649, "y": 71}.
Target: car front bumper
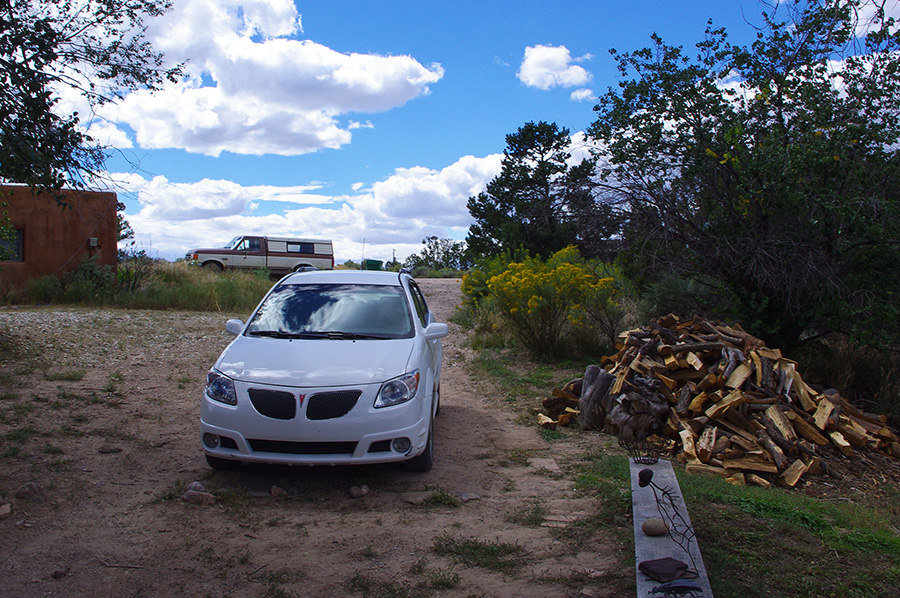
{"x": 360, "y": 436}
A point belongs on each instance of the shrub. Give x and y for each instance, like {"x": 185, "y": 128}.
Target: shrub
{"x": 541, "y": 301}
{"x": 474, "y": 282}
{"x": 135, "y": 267}
{"x": 91, "y": 282}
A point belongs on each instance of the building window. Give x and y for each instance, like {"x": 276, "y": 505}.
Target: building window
{"x": 11, "y": 249}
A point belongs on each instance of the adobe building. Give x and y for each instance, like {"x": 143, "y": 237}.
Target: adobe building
{"x": 53, "y": 239}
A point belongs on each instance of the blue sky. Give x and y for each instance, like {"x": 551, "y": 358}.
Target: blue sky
{"x": 366, "y": 122}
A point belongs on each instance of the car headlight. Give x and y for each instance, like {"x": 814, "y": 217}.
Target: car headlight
{"x": 399, "y": 390}
{"x": 220, "y": 388}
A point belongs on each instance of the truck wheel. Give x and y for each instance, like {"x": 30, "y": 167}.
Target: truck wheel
{"x": 215, "y": 266}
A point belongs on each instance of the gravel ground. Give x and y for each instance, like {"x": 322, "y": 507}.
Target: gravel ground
{"x": 99, "y": 410}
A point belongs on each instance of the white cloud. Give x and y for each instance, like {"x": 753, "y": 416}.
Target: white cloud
{"x": 251, "y": 87}
{"x": 582, "y": 95}
{"x": 393, "y": 215}
{"x": 545, "y": 67}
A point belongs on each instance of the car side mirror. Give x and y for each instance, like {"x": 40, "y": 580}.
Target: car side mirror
{"x": 436, "y": 330}
{"x": 235, "y": 327}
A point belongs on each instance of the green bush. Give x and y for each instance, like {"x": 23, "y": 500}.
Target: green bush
{"x": 90, "y": 282}
{"x": 681, "y": 296}
{"x": 549, "y": 305}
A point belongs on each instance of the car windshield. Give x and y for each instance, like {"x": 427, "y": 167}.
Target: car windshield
{"x": 334, "y": 311}
{"x": 233, "y": 243}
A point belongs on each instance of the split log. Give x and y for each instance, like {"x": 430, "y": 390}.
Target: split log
{"x": 825, "y": 467}
{"x": 839, "y": 441}
{"x": 705, "y": 444}
{"x": 792, "y": 474}
{"x": 739, "y": 375}
{"x": 823, "y": 412}
{"x": 756, "y": 480}
{"x": 594, "y": 388}
{"x": 751, "y": 462}
{"x": 734, "y": 398}
{"x": 781, "y": 423}
{"x": 766, "y": 442}
{"x": 807, "y": 430}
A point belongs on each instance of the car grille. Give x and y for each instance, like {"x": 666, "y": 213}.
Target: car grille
{"x": 302, "y": 448}
{"x": 329, "y": 405}
{"x": 274, "y": 403}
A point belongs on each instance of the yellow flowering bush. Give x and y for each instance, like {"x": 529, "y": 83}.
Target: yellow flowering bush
{"x": 539, "y": 299}
{"x": 474, "y": 282}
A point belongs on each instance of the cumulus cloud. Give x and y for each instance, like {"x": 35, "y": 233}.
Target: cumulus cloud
{"x": 545, "y": 67}
{"x": 582, "y": 95}
{"x": 252, "y": 87}
{"x": 394, "y": 215}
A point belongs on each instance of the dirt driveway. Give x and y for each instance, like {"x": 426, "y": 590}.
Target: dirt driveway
{"x": 98, "y": 439}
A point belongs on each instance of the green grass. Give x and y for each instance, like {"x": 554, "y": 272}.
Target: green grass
{"x": 472, "y": 552}
{"x": 551, "y": 435}
{"x": 167, "y": 286}
{"x": 69, "y": 376}
{"x": 776, "y": 542}
{"x": 531, "y": 515}
{"x": 442, "y": 498}
{"x": 23, "y": 434}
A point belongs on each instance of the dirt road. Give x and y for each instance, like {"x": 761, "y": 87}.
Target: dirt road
{"x": 99, "y": 409}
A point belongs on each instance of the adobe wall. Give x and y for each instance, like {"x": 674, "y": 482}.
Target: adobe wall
{"x": 56, "y": 238}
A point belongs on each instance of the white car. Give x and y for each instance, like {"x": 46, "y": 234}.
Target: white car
{"x": 333, "y": 367}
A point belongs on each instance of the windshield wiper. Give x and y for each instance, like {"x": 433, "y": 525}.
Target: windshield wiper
{"x": 334, "y": 335}
{"x": 281, "y": 334}
{"x": 339, "y": 335}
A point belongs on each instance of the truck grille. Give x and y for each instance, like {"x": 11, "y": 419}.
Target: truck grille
{"x": 329, "y": 405}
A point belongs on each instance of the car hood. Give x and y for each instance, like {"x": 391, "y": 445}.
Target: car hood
{"x": 315, "y": 363}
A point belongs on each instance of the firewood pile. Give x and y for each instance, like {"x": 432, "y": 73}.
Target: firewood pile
{"x": 724, "y": 402}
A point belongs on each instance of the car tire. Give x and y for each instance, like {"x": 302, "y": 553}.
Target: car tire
{"x": 222, "y": 464}
{"x": 425, "y": 461}
{"x": 214, "y": 266}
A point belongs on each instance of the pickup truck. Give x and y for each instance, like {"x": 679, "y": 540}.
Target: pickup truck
{"x": 279, "y": 255}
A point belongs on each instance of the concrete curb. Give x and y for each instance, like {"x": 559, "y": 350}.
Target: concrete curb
{"x": 646, "y": 547}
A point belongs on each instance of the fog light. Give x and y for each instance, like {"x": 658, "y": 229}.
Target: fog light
{"x": 401, "y": 445}
{"x": 211, "y": 440}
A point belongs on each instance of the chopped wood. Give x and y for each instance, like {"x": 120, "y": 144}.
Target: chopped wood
{"x": 705, "y": 443}
{"x": 792, "y": 474}
{"x": 851, "y": 434}
{"x": 781, "y": 422}
{"x": 697, "y": 347}
{"x": 751, "y": 462}
{"x": 735, "y": 397}
{"x": 688, "y": 446}
{"x": 709, "y": 470}
{"x": 737, "y": 479}
{"x": 756, "y": 480}
{"x": 774, "y": 450}
{"x": 739, "y": 375}
{"x": 728, "y": 404}
{"x": 823, "y": 412}
{"x": 839, "y": 441}
{"x": 546, "y": 422}
{"x": 806, "y": 429}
